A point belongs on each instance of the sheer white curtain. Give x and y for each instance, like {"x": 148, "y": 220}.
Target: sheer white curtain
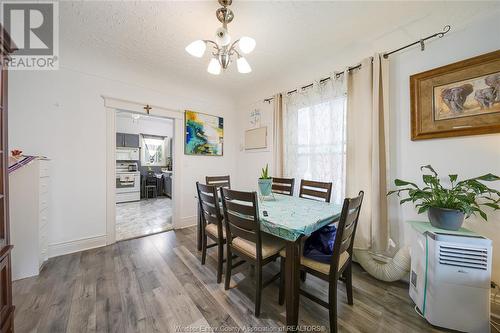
{"x": 314, "y": 126}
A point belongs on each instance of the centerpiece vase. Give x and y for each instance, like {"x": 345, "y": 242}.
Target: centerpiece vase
{"x": 265, "y": 186}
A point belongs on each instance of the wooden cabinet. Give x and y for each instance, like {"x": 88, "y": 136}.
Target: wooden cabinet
{"x": 6, "y": 307}
{"x": 127, "y": 140}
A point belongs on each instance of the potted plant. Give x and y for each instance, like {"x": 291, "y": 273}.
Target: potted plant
{"x": 447, "y": 207}
{"x": 265, "y": 182}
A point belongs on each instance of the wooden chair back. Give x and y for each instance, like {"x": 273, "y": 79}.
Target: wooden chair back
{"x": 346, "y": 230}
{"x": 219, "y": 181}
{"x": 209, "y": 206}
{"x": 241, "y": 217}
{"x": 315, "y": 190}
{"x": 283, "y": 185}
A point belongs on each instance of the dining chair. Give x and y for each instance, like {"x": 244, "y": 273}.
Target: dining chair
{"x": 219, "y": 181}
{"x": 245, "y": 239}
{"x": 212, "y": 228}
{"x": 283, "y": 185}
{"x": 340, "y": 266}
{"x": 151, "y": 186}
{"x": 315, "y": 190}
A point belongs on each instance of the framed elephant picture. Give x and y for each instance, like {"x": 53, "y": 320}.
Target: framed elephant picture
{"x": 459, "y": 99}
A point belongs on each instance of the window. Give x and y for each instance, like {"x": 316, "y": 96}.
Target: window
{"x": 153, "y": 150}
{"x": 315, "y": 137}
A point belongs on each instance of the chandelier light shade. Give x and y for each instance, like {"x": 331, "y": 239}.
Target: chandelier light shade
{"x": 247, "y": 44}
{"x": 223, "y": 50}
{"x": 243, "y": 65}
{"x": 197, "y": 48}
{"x": 214, "y": 67}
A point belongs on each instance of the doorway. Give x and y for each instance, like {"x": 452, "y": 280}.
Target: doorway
{"x": 144, "y": 164}
{"x": 142, "y": 188}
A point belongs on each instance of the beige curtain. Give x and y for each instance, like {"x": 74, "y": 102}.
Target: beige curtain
{"x": 367, "y": 150}
{"x": 278, "y": 136}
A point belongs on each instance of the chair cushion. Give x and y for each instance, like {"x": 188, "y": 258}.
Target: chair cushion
{"x": 212, "y": 229}
{"x": 319, "y": 266}
{"x": 270, "y": 246}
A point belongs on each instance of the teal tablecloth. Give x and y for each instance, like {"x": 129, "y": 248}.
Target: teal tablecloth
{"x": 292, "y": 217}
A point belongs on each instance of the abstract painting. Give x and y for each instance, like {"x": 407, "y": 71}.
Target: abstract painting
{"x": 458, "y": 99}
{"x": 204, "y": 134}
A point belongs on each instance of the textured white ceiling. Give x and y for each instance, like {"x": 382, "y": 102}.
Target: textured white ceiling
{"x": 289, "y": 33}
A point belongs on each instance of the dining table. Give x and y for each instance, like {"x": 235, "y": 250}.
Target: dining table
{"x": 292, "y": 218}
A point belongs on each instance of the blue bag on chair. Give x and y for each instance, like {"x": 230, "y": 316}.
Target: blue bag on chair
{"x": 319, "y": 246}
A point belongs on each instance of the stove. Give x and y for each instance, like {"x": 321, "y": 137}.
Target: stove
{"x": 128, "y": 182}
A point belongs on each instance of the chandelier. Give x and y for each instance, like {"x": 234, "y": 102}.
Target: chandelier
{"x": 223, "y": 49}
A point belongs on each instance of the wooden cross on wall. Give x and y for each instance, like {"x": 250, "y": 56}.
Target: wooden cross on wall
{"x": 147, "y": 108}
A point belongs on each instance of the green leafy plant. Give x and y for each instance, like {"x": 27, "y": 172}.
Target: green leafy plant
{"x": 265, "y": 173}
{"x": 466, "y": 196}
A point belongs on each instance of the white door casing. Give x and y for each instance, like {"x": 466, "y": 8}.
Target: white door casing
{"x": 111, "y": 105}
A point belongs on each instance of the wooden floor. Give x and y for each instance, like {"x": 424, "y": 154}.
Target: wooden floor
{"x": 157, "y": 284}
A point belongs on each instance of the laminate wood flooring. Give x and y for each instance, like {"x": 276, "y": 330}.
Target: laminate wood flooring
{"x": 157, "y": 284}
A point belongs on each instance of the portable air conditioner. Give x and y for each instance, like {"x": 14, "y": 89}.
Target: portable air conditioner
{"x": 450, "y": 280}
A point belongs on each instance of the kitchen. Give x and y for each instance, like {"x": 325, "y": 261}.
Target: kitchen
{"x": 143, "y": 175}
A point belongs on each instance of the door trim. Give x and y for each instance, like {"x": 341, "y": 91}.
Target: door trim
{"x": 111, "y": 105}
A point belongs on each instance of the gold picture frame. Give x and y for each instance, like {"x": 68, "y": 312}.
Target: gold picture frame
{"x": 458, "y": 99}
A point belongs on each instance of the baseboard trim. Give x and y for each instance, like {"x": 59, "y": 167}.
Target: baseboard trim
{"x": 186, "y": 226}
{"x": 186, "y": 222}
{"x": 62, "y": 248}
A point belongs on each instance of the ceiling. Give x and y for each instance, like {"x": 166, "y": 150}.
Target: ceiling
{"x": 289, "y": 34}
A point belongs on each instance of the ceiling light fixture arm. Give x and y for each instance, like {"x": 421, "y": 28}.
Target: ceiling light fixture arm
{"x": 214, "y": 44}
{"x": 232, "y": 48}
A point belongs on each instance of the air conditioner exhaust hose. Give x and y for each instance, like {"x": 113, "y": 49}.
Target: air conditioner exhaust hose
{"x": 395, "y": 269}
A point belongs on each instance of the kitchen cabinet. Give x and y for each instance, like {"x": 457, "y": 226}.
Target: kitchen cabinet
{"x": 167, "y": 184}
{"x": 131, "y": 140}
{"x": 127, "y": 140}
{"x": 120, "y": 139}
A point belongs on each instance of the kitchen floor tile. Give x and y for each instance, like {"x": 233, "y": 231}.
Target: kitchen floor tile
{"x": 143, "y": 217}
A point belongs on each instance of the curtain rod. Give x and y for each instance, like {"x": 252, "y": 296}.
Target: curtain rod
{"x": 386, "y": 55}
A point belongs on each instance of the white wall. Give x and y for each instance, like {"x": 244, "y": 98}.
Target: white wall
{"x": 144, "y": 125}
{"x": 61, "y": 114}
{"x": 468, "y": 156}
{"x": 250, "y": 162}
